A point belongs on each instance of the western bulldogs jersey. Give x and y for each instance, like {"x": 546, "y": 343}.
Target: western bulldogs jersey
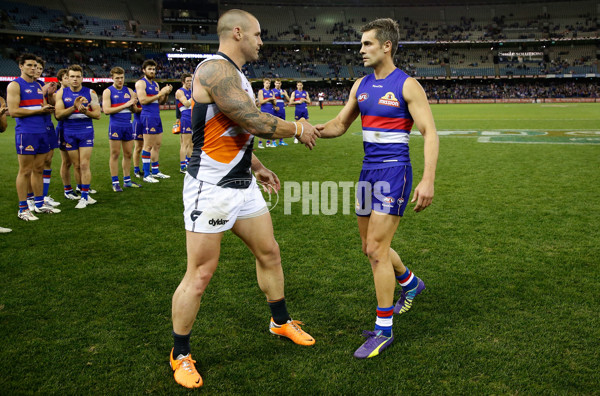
{"x": 47, "y": 117}
{"x": 76, "y": 121}
{"x": 298, "y": 95}
{"x": 222, "y": 152}
{"x": 151, "y": 109}
{"x": 267, "y": 107}
{"x": 32, "y": 98}
{"x": 279, "y": 97}
{"x": 136, "y": 116}
{"x": 185, "y": 111}
{"x": 386, "y": 121}
{"x": 119, "y": 97}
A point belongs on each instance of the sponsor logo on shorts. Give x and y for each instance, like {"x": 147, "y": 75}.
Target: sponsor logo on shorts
{"x": 29, "y": 148}
{"x": 363, "y": 96}
{"x": 389, "y": 200}
{"x": 89, "y": 141}
{"x": 115, "y": 134}
{"x": 389, "y": 99}
{"x": 217, "y": 222}
{"x": 152, "y": 129}
{"x": 188, "y": 129}
{"x": 195, "y": 214}
{"x": 67, "y": 145}
{"x": 400, "y": 201}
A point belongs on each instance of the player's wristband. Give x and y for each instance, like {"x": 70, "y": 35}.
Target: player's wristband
{"x": 296, "y": 133}
{"x": 302, "y": 132}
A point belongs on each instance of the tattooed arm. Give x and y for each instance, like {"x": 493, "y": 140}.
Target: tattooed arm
{"x": 218, "y": 81}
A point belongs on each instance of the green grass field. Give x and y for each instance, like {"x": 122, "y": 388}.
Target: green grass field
{"x": 509, "y": 251}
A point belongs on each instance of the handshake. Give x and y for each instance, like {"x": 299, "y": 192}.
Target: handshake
{"x": 307, "y": 133}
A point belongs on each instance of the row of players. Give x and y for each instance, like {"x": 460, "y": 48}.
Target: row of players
{"x": 272, "y": 101}
{"x": 31, "y": 103}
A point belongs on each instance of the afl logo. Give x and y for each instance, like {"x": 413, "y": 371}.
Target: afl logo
{"x": 388, "y": 200}
{"x": 28, "y": 91}
{"x": 363, "y": 96}
{"x": 68, "y": 99}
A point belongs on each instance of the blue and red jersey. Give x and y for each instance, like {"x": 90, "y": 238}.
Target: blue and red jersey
{"x": 47, "y": 117}
{"x": 279, "y": 97}
{"x": 77, "y": 122}
{"x": 298, "y": 95}
{"x": 119, "y": 97}
{"x": 136, "y": 116}
{"x": 386, "y": 121}
{"x": 186, "y": 112}
{"x": 151, "y": 109}
{"x": 267, "y": 107}
{"x": 32, "y": 98}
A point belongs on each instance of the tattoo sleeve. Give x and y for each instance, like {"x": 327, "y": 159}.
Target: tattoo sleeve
{"x": 223, "y": 83}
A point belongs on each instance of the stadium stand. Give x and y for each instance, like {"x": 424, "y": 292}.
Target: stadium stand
{"x": 315, "y": 43}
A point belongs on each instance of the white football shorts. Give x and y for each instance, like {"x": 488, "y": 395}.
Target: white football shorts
{"x": 208, "y": 208}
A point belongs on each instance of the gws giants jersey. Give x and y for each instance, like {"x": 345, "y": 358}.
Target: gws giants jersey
{"x": 386, "y": 121}
{"x": 222, "y": 152}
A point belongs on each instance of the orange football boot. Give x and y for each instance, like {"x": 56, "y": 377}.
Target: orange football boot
{"x": 293, "y": 331}
{"x": 184, "y": 371}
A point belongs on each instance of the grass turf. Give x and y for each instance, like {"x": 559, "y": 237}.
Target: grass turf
{"x": 509, "y": 253}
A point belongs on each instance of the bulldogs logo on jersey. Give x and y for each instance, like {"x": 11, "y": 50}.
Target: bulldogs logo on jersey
{"x": 389, "y": 99}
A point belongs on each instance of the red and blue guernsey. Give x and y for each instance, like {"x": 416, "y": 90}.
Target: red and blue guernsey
{"x": 386, "y": 121}
{"x": 280, "y": 102}
{"x": 118, "y": 97}
{"x": 298, "y": 95}
{"x": 267, "y": 107}
{"x": 32, "y": 98}
{"x": 47, "y": 117}
{"x": 151, "y": 109}
{"x": 77, "y": 122}
{"x": 136, "y": 116}
{"x": 186, "y": 112}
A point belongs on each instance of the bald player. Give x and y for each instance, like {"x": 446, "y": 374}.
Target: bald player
{"x": 220, "y": 192}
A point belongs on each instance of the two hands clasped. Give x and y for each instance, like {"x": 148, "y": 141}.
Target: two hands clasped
{"x": 307, "y": 133}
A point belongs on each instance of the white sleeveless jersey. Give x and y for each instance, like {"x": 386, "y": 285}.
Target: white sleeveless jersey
{"x": 222, "y": 152}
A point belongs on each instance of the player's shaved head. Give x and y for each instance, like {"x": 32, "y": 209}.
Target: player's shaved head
{"x": 233, "y": 18}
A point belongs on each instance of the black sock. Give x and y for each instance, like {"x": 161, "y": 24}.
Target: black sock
{"x": 181, "y": 345}
{"x": 279, "y": 311}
